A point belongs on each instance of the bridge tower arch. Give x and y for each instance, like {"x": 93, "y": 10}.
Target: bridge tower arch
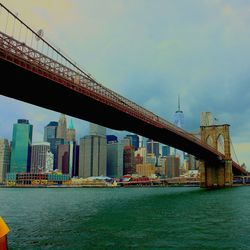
{"x": 214, "y": 174}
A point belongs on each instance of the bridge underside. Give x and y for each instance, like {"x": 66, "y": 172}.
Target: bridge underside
{"x": 26, "y": 86}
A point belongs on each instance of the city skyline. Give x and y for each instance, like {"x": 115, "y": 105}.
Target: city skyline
{"x": 202, "y": 61}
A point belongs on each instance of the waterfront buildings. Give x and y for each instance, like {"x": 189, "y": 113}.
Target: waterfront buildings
{"x": 153, "y": 147}
{"x": 71, "y": 132}
{"x": 93, "y": 152}
{"x": 50, "y": 132}
{"x": 115, "y": 159}
{"x": 63, "y": 158}
{"x": 165, "y": 150}
{"x": 61, "y": 132}
{"x": 151, "y": 159}
{"x": 143, "y": 153}
{"x": 4, "y": 158}
{"x": 134, "y": 140}
{"x": 172, "y": 164}
{"x": 21, "y": 146}
{"x": 129, "y": 160}
{"x": 145, "y": 169}
{"x": 74, "y": 159}
{"x": 41, "y": 158}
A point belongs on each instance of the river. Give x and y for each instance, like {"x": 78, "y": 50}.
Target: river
{"x": 127, "y": 218}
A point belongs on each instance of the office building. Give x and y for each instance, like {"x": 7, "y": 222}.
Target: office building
{"x": 41, "y": 158}
{"x": 115, "y": 159}
{"x": 75, "y": 160}
{"x": 4, "y": 159}
{"x": 21, "y": 146}
{"x": 50, "y": 133}
{"x": 172, "y": 166}
{"x": 145, "y": 169}
{"x": 143, "y": 153}
{"x": 63, "y": 158}
{"x": 71, "y": 132}
{"x": 93, "y": 152}
{"x": 129, "y": 160}
{"x": 61, "y": 132}
{"x": 153, "y": 147}
{"x": 134, "y": 140}
{"x": 165, "y": 150}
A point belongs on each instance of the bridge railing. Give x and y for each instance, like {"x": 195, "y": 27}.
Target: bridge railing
{"x": 18, "y": 39}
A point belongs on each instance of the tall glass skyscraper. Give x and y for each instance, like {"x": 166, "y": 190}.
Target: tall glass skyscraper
{"x": 179, "y": 122}
{"x": 179, "y": 116}
{"x": 21, "y": 146}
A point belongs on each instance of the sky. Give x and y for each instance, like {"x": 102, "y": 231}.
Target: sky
{"x": 150, "y": 51}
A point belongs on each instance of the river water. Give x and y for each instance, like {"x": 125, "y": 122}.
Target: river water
{"x": 127, "y": 218}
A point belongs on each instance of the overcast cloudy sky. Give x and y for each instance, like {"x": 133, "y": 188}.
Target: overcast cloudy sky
{"x": 151, "y": 51}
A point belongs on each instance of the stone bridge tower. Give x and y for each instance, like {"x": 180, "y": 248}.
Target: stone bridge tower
{"x": 217, "y": 174}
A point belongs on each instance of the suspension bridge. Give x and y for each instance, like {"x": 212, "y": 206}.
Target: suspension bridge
{"x": 38, "y": 73}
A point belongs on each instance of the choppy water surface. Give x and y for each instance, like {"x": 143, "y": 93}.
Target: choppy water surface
{"x": 127, "y": 218}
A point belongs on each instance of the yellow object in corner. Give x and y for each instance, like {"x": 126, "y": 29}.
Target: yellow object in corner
{"x": 3, "y": 228}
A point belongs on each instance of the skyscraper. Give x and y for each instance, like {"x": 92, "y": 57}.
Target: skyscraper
{"x": 93, "y": 152}
{"x": 172, "y": 166}
{"x": 50, "y": 133}
{"x": 41, "y": 158}
{"x": 134, "y": 140}
{"x": 21, "y": 146}
{"x": 71, "y": 132}
{"x": 61, "y": 132}
{"x": 75, "y": 165}
{"x": 165, "y": 150}
{"x": 129, "y": 160}
{"x": 63, "y": 158}
{"x": 4, "y": 158}
{"x": 179, "y": 116}
{"x": 153, "y": 147}
{"x": 115, "y": 159}
{"x": 179, "y": 122}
